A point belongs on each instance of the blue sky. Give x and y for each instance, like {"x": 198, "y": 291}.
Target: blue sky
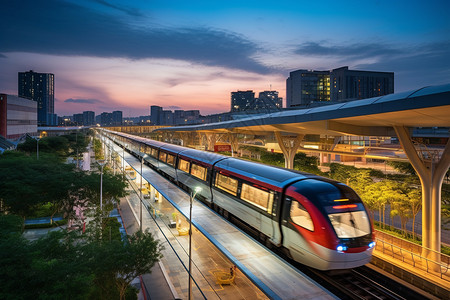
{"x": 128, "y": 55}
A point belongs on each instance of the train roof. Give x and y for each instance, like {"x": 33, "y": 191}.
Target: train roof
{"x": 172, "y": 148}
{"x": 153, "y": 143}
{"x": 268, "y": 174}
{"x": 203, "y": 156}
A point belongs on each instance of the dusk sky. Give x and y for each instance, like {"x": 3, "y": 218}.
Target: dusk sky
{"x": 127, "y": 55}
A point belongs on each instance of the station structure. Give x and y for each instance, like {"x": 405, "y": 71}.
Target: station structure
{"x": 386, "y": 116}
{"x": 393, "y": 115}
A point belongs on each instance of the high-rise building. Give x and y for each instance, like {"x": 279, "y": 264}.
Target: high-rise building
{"x": 77, "y": 119}
{"x": 269, "y": 100}
{"x": 117, "y": 117}
{"x": 347, "y": 85}
{"x": 305, "y": 87}
{"x": 88, "y": 118}
{"x": 155, "y": 114}
{"x": 106, "y": 119}
{"x": 39, "y": 87}
{"x": 242, "y": 101}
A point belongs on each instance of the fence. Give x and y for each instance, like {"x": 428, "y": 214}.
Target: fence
{"x": 411, "y": 253}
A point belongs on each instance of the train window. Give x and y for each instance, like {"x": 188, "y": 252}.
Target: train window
{"x": 154, "y": 152}
{"x": 183, "y": 165}
{"x": 350, "y": 224}
{"x": 198, "y": 171}
{"x": 300, "y": 216}
{"x": 170, "y": 159}
{"x": 162, "y": 156}
{"x": 227, "y": 184}
{"x": 147, "y": 149}
{"x": 257, "y": 197}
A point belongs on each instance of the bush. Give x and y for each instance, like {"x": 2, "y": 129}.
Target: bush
{"x": 111, "y": 230}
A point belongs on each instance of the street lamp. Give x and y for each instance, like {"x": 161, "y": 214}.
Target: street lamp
{"x": 140, "y": 198}
{"x": 193, "y": 194}
{"x": 37, "y": 148}
{"x": 101, "y": 163}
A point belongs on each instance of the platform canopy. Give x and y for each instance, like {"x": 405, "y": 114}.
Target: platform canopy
{"x": 425, "y": 107}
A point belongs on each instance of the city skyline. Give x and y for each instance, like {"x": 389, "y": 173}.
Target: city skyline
{"x": 109, "y": 55}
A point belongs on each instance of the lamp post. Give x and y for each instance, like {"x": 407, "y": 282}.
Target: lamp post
{"x": 140, "y": 198}
{"x": 37, "y": 148}
{"x": 193, "y": 194}
{"x": 101, "y": 164}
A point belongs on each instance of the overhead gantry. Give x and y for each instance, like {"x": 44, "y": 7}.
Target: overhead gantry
{"x": 386, "y": 116}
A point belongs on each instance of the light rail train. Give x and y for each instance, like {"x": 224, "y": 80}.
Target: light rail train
{"x": 316, "y": 221}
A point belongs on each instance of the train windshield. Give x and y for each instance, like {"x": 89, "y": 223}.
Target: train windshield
{"x": 347, "y": 214}
{"x": 350, "y": 224}
{"x": 343, "y": 206}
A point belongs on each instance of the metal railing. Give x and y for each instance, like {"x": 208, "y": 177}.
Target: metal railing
{"x": 411, "y": 253}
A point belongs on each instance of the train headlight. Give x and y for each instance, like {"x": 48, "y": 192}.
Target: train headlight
{"x": 372, "y": 244}
{"x": 341, "y": 248}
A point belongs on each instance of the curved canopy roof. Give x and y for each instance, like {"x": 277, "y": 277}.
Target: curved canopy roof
{"x": 425, "y": 107}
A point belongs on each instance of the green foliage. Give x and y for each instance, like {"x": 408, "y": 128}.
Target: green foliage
{"x": 44, "y": 210}
{"x": 403, "y": 167}
{"x": 110, "y": 229}
{"x": 62, "y": 146}
{"x": 305, "y": 163}
{"x": 98, "y": 149}
{"x": 27, "y": 184}
{"x": 66, "y": 265}
{"x": 10, "y": 224}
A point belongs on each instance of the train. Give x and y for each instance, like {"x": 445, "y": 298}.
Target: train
{"x": 316, "y": 221}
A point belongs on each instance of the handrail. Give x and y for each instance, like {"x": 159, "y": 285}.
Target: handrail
{"x": 411, "y": 253}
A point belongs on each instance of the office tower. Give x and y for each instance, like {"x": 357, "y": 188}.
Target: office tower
{"x": 88, "y": 118}
{"x": 305, "y": 87}
{"x": 106, "y": 119}
{"x": 40, "y": 88}
{"x": 269, "y": 100}
{"x": 347, "y": 85}
{"x": 155, "y": 114}
{"x": 242, "y": 101}
{"x": 117, "y": 118}
{"x": 78, "y": 119}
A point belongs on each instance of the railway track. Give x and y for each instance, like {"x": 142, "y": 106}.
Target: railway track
{"x": 362, "y": 283}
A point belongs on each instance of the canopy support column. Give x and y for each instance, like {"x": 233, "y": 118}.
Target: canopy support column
{"x": 289, "y": 146}
{"x": 234, "y": 142}
{"x": 431, "y": 170}
{"x": 211, "y": 139}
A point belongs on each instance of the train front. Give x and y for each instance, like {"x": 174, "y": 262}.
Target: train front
{"x": 329, "y": 225}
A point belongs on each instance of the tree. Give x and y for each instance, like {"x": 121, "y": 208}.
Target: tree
{"x": 415, "y": 198}
{"x": 403, "y": 167}
{"x": 27, "y": 183}
{"x": 120, "y": 262}
{"x": 67, "y": 265}
{"x": 306, "y": 163}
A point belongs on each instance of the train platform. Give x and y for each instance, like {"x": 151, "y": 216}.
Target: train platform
{"x": 217, "y": 247}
